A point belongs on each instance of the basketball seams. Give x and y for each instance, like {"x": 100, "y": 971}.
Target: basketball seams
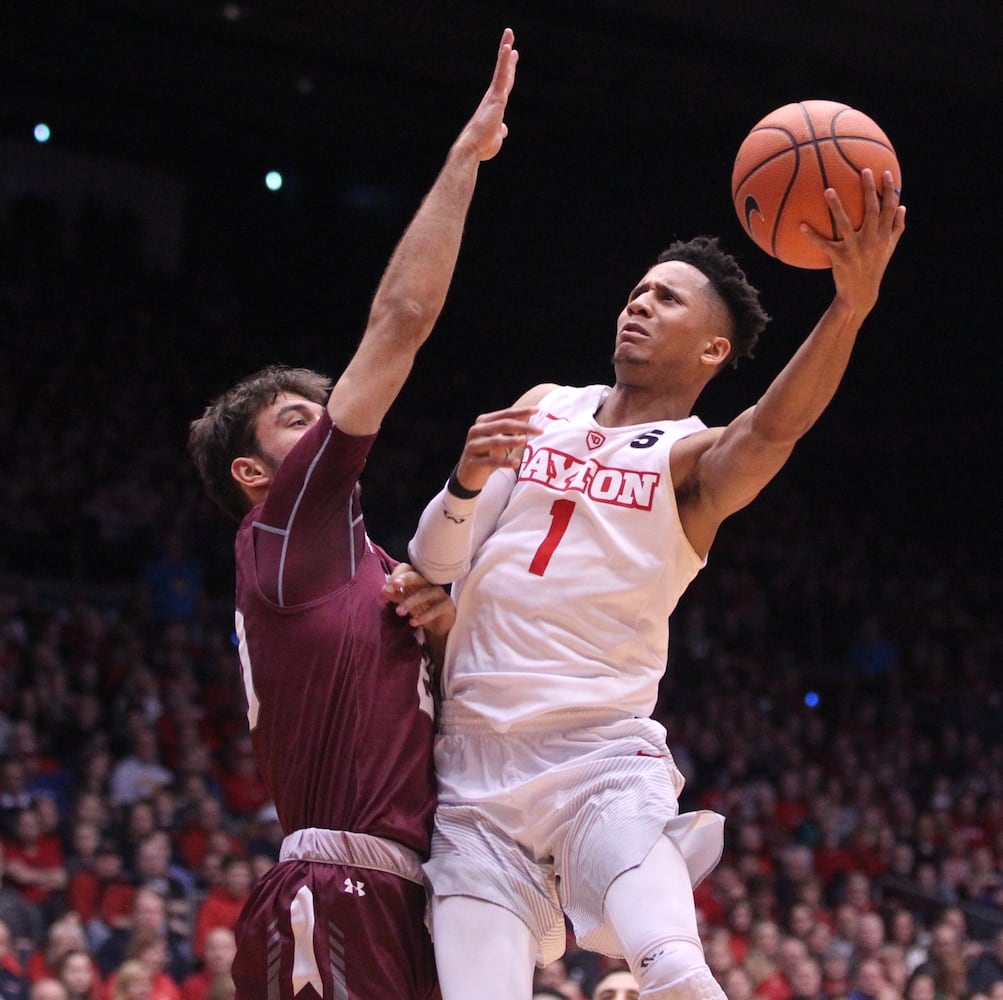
{"x": 820, "y": 159}
{"x": 773, "y": 193}
{"x": 774, "y": 236}
{"x": 793, "y": 147}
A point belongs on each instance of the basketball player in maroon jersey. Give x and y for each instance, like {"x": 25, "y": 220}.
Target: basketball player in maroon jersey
{"x": 339, "y": 700}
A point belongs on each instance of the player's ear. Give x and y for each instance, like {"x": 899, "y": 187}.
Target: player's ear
{"x": 250, "y": 472}
{"x": 716, "y": 351}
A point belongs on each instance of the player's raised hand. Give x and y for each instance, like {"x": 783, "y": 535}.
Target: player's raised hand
{"x": 859, "y": 256}
{"x": 486, "y": 130}
{"x": 495, "y": 441}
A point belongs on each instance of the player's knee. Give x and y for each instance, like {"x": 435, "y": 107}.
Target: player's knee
{"x": 675, "y": 969}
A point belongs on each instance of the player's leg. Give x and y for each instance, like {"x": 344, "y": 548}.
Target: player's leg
{"x": 651, "y": 911}
{"x": 482, "y": 950}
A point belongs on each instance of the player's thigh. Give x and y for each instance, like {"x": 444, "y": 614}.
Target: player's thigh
{"x": 483, "y": 950}
{"x": 350, "y": 933}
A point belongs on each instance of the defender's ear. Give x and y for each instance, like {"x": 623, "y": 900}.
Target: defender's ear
{"x": 250, "y": 473}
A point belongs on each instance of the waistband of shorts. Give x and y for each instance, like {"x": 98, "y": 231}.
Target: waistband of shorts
{"x": 454, "y": 717}
{"x": 361, "y": 850}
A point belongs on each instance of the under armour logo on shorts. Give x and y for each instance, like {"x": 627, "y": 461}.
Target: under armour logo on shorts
{"x": 359, "y": 888}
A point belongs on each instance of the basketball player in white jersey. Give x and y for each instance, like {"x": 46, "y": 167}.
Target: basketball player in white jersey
{"x": 571, "y": 525}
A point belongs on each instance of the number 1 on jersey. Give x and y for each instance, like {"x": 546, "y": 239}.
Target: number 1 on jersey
{"x": 560, "y": 513}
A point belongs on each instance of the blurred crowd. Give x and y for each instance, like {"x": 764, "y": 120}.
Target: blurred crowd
{"x": 832, "y": 685}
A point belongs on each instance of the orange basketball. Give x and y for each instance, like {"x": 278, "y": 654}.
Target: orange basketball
{"x": 787, "y": 161}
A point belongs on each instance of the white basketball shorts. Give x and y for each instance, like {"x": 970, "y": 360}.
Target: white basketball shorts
{"x": 540, "y": 819}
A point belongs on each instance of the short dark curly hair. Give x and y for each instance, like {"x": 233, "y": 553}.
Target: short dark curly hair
{"x": 227, "y": 429}
{"x": 727, "y": 278}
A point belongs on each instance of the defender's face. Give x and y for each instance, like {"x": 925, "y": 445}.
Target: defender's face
{"x": 280, "y": 426}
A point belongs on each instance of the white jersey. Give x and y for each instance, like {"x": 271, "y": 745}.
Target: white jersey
{"x": 577, "y": 580}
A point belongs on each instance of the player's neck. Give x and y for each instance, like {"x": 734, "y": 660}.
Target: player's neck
{"x": 626, "y": 404}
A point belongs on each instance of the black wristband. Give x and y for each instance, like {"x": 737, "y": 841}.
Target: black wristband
{"x": 457, "y": 489}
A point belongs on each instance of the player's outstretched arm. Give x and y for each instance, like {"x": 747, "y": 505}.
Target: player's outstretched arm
{"x": 413, "y": 289}
{"x": 736, "y": 462}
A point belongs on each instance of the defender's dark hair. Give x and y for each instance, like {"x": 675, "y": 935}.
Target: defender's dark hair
{"x": 227, "y": 428}
{"x": 727, "y": 278}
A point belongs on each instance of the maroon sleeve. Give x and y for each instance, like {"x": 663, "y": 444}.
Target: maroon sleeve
{"x": 309, "y": 535}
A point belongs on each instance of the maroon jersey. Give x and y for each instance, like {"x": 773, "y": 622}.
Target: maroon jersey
{"x": 337, "y": 687}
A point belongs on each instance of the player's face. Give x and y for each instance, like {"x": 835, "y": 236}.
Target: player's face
{"x": 670, "y": 317}
{"x": 282, "y": 424}
{"x": 618, "y": 986}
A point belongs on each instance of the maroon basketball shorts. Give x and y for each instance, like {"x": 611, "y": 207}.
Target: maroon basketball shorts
{"x": 349, "y": 933}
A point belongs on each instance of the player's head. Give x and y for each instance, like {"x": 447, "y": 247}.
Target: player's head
{"x": 726, "y": 277}
{"x": 617, "y": 984}
{"x": 228, "y": 429}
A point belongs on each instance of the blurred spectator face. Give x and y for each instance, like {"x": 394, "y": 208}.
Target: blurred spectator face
{"x": 766, "y": 937}
{"x": 870, "y": 933}
{"x": 108, "y": 862}
{"x": 165, "y": 806}
{"x": 48, "y": 814}
{"x": 28, "y": 827}
{"x": 858, "y": 890}
{"x": 149, "y": 912}
{"x": 134, "y": 982}
{"x": 48, "y": 989}
{"x": 927, "y": 878}
{"x": 86, "y": 837}
{"x": 717, "y": 951}
{"x": 153, "y": 856}
{"x": 847, "y": 921}
{"x": 944, "y": 942}
{"x": 870, "y": 979}
{"x": 211, "y": 872}
{"x": 619, "y": 985}
{"x": 77, "y": 973}
{"x": 921, "y": 987}
{"x": 154, "y": 955}
{"x": 220, "y": 948}
{"x": 819, "y": 939}
{"x": 893, "y": 963}
{"x": 955, "y": 917}
{"x": 836, "y": 966}
{"x": 237, "y": 878}
{"x": 903, "y": 927}
{"x": 65, "y": 935}
{"x": 740, "y": 917}
{"x": 738, "y": 984}
{"x": 810, "y": 892}
{"x": 142, "y": 820}
{"x": 90, "y": 808}
{"x": 806, "y": 978}
{"x": 902, "y": 860}
{"x": 790, "y": 953}
{"x": 12, "y": 777}
{"x": 801, "y": 920}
